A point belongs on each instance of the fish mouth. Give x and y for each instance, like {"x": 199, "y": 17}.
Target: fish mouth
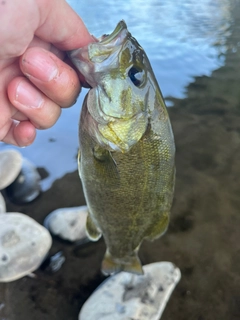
{"x": 105, "y": 50}
{"x": 106, "y": 39}
{"x": 90, "y": 58}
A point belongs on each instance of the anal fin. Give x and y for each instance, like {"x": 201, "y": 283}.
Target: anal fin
{"x": 159, "y": 228}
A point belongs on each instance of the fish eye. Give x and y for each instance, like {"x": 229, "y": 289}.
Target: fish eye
{"x": 136, "y": 75}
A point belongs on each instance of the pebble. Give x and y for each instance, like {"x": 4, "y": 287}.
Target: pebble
{"x": 24, "y": 244}
{"x": 68, "y": 223}
{"x": 56, "y": 261}
{"x": 125, "y": 296}
{"x": 10, "y": 166}
{"x": 2, "y": 204}
{"x": 26, "y": 186}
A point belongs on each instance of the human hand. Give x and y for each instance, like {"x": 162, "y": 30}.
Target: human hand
{"x": 35, "y": 83}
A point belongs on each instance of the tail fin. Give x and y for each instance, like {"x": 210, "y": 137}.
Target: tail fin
{"x": 129, "y": 264}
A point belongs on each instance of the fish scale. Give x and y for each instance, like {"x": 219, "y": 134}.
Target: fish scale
{"x": 127, "y": 149}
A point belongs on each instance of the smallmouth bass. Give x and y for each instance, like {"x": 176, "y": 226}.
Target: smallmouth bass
{"x": 126, "y": 154}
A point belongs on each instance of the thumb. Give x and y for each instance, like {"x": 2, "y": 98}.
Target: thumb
{"x": 54, "y": 21}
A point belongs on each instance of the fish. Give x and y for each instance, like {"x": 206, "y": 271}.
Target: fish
{"x": 126, "y": 149}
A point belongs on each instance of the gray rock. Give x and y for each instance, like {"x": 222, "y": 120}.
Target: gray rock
{"x": 10, "y": 166}
{"x": 126, "y": 296}
{"x": 56, "y": 261}
{"x": 24, "y": 244}
{"x": 2, "y": 204}
{"x": 68, "y": 223}
{"x": 26, "y": 187}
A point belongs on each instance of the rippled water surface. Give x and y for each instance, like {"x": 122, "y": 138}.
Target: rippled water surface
{"x": 183, "y": 39}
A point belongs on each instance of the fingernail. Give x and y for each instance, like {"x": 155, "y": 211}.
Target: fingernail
{"x": 28, "y": 96}
{"x": 39, "y": 65}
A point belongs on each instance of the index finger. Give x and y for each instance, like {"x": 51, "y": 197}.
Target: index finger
{"x": 62, "y": 26}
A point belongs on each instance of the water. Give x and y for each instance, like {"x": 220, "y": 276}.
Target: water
{"x": 182, "y": 39}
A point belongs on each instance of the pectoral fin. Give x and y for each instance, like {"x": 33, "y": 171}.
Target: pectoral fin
{"x": 131, "y": 264}
{"x": 106, "y": 164}
{"x": 92, "y": 231}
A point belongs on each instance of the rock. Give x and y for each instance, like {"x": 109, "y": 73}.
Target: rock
{"x": 68, "y": 223}
{"x": 2, "y": 204}
{"x": 10, "y": 166}
{"x": 26, "y": 187}
{"x": 55, "y": 262}
{"x": 126, "y": 296}
{"x": 24, "y": 244}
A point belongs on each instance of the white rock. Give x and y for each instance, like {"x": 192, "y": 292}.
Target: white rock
{"x": 125, "y": 296}
{"x": 24, "y": 244}
{"x": 68, "y": 223}
{"x": 10, "y": 166}
{"x": 2, "y": 204}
